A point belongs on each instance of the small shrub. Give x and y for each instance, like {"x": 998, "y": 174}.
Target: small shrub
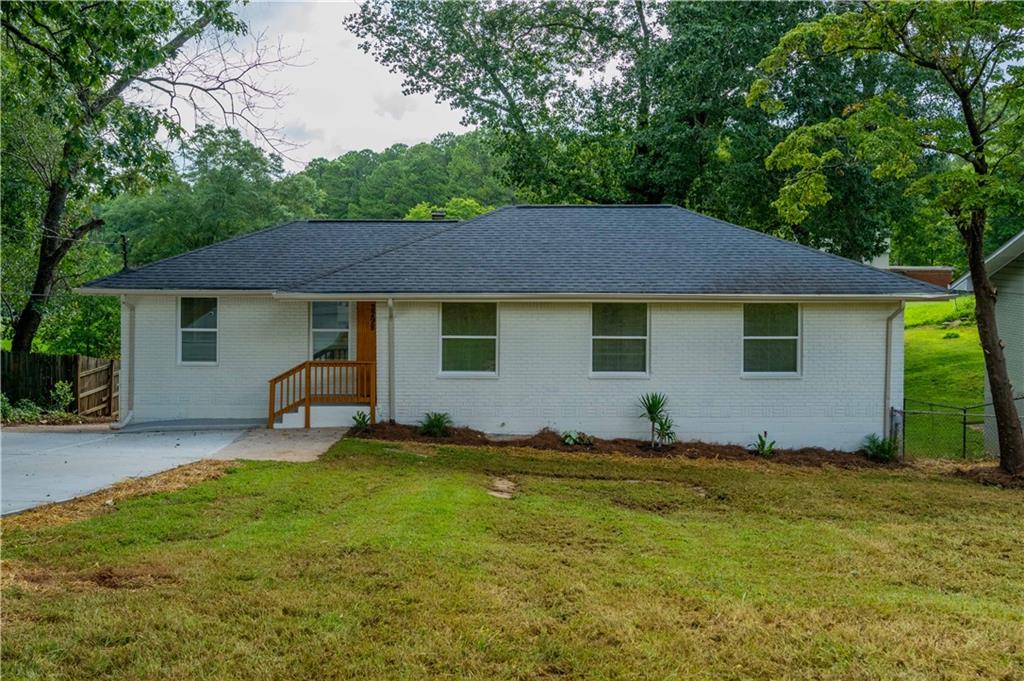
{"x": 878, "y": 448}
{"x": 435, "y": 424}
{"x": 951, "y": 334}
{"x": 763, "y": 446}
{"x": 61, "y": 396}
{"x": 6, "y": 408}
{"x": 664, "y": 430}
{"x": 360, "y": 421}
{"x": 575, "y": 438}
{"x": 654, "y": 405}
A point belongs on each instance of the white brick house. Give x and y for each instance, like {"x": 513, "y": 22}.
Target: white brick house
{"x": 527, "y": 317}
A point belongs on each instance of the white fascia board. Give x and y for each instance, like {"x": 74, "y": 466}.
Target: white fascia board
{"x": 666, "y": 297}
{"x": 1002, "y": 257}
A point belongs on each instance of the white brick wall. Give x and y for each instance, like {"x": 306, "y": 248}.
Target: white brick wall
{"x": 258, "y": 338}
{"x": 696, "y": 352}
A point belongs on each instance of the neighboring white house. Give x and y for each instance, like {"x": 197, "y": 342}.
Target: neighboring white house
{"x": 523, "y": 318}
{"x": 1006, "y": 270}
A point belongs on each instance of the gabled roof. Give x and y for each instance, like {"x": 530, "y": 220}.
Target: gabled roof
{"x": 522, "y": 251}
{"x": 1002, "y": 257}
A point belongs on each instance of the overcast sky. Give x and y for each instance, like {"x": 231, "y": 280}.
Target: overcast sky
{"x": 341, "y": 99}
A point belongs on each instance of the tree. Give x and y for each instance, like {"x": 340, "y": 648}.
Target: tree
{"x": 228, "y": 186}
{"x": 94, "y": 84}
{"x": 639, "y": 102}
{"x": 973, "y": 123}
{"x": 458, "y": 208}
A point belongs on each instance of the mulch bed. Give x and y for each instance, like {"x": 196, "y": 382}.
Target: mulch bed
{"x": 991, "y": 475}
{"x": 550, "y": 440}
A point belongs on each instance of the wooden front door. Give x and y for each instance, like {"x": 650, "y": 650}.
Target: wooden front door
{"x": 366, "y": 332}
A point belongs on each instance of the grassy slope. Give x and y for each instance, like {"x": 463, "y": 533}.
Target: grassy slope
{"x": 917, "y": 314}
{"x": 391, "y": 561}
{"x": 945, "y": 370}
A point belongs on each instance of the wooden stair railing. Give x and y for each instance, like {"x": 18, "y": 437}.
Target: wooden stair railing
{"x": 323, "y": 382}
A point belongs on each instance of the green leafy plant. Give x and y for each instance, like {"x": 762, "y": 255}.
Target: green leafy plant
{"x": 664, "y": 430}
{"x": 881, "y": 449}
{"x": 360, "y": 421}
{"x": 763, "y": 446}
{"x": 435, "y": 424}
{"x": 951, "y": 334}
{"x": 653, "y": 405}
{"x": 6, "y": 408}
{"x": 61, "y": 396}
{"x": 575, "y": 438}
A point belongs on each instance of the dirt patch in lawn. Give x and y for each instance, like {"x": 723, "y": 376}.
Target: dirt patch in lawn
{"x": 502, "y": 488}
{"x": 122, "y": 577}
{"x": 550, "y": 440}
{"x": 106, "y": 500}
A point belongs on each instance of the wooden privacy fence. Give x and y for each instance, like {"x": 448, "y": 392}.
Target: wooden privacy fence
{"x": 31, "y": 376}
{"x": 96, "y": 391}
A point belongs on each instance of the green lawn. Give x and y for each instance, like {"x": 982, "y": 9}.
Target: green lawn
{"x": 943, "y": 366}
{"x": 917, "y": 314}
{"x": 391, "y": 561}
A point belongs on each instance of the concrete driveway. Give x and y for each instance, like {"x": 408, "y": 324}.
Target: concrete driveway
{"x": 40, "y": 465}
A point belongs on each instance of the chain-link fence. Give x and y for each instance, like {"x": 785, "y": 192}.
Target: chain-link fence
{"x": 932, "y": 429}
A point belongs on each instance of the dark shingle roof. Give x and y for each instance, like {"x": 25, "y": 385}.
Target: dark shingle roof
{"x": 273, "y": 258}
{"x": 524, "y": 250}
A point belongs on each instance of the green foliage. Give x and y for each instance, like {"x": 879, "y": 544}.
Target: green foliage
{"x": 670, "y": 128}
{"x": 763, "y": 447}
{"x": 664, "y": 429}
{"x": 575, "y": 438}
{"x": 228, "y": 186}
{"x": 454, "y": 209}
{"x": 435, "y": 424}
{"x": 460, "y": 173}
{"x": 653, "y": 406}
{"x": 952, "y": 145}
{"x": 881, "y": 449}
{"x": 360, "y": 421}
{"x": 61, "y": 396}
{"x": 950, "y": 334}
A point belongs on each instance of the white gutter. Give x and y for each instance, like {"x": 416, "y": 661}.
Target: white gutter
{"x": 126, "y": 390}
{"x": 886, "y": 406}
{"x": 539, "y": 297}
{"x": 391, "y": 360}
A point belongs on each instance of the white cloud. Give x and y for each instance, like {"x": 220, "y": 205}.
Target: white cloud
{"x": 340, "y": 98}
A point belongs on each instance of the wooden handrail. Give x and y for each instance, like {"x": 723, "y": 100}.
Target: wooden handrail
{"x": 322, "y": 382}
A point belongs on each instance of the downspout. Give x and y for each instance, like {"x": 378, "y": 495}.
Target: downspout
{"x": 886, "y": 406}
{"x": 391, "y": 360}
{"x": 126, "y": 398}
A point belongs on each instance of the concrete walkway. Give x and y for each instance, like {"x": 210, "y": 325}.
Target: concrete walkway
{"x": 296, "y": 445}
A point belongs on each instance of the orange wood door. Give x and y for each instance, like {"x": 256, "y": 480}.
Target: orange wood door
{"x": 366, "y": 332}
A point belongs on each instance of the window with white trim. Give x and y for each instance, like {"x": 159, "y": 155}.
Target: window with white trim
{"x": 197, "y": 330}
{"x": 469, "y": 338}
{"x": 329, "y": 329}
{"x": 618, "y": 338}
{"x": 771, "y": 338}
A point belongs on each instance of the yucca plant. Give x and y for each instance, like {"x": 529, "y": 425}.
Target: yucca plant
{"x": 653, "y": 405}
{"x": 664, "y": 430}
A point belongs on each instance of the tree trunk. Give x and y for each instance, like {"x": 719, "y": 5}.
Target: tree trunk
{"x": 1011, "y": 439}
{"x": 52, "y": 250}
